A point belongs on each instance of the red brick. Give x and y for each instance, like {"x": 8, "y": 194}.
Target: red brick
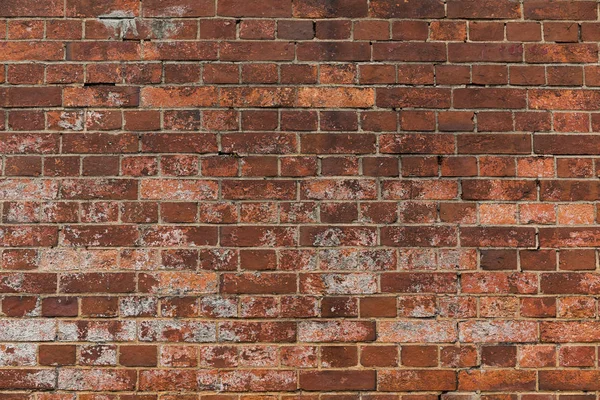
{"x": 499, "y": 356}
{"x": 486, "y": 31}
{"x": 404, "y": 282}
{"x": 498, "y": 331}
{"x": 51, "y": 8}
{"x": 270, "y": 8}
{"x": 561, "y": 32}
{"x": 30, "y": 97}
{"x": 335, "y": 97}
{"x": 418, "y": 331}
{"x": 379, "y": 356}
{"x": 410, "y": 30}
{"x": 101, "y": 97}
{"x": 453, "y": 74}
{"x": 97, "y": 282}
{"x": 247, "y": 284}
{"x": 497, "y": 380}
{"x": 498, "y": 189}
{"x": 57, "y": 354}
{"x": 337, "y": 381}
{"x": 408, "y": 9}
{"x": 489, "y": 52}
{"x": 494, "y": 144}
{"x": 138, "y": 356}
{"x": 371, "y": 30}
{"x": 537, "y": 9}
{"x": 178, "y": 97}
{"x": 448, "y": 30}
{"x": 336, "y": 331}
{"x": 28, "y": 379}
{"x": 486, "y": 9}
{"x": 416, "y": 380}
{"x": 568, "y": 380}
{"x": 336, "y": 143}
{"x": 256, "y": 51}
{"x": 489, "y": 98}
{"x": 413, "y": 97}
{"x": 178, "y": 8}
{"x": 560, "y": 53}
{"x": 293, "y": 29}
{"x": 409, "y": 52}
{"x": 497, "y": 237}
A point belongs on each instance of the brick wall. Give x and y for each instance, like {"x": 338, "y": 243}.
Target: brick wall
{"x": 299, "y": 199}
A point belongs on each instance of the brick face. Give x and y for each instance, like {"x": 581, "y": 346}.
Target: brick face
{"x": 276, "y": 198}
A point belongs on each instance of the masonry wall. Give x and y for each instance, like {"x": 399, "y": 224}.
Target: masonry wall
{"x": 299, "y": 199}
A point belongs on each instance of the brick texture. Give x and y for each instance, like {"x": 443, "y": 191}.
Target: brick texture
{"x": 299, "y": 199}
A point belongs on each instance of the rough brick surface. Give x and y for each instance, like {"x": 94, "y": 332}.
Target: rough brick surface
{"x": 299, "y": 199}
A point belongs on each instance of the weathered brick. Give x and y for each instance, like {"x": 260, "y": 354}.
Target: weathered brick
{"x": 497, "y": 237}
{"x": 498, "y": 331}
{"x": 499, "y": 190}
{"x": 497, "y": 380}
{"x": 27, "y": 283}
{"x": 167, "y": 236}
{"x": 177, "y": 379}
{"x": 569, "y": 237}
{"x": 562, "y": 99}
{"x": 28, "y": 379}
{"x": 177, "y": 97}
{"x": 417, "y": 331}
{"x": 96, "y": 379}
{"x": 177, "y": 331}
{"x": 178, "y": 189}
{"x": 177, "y": 283}
{"x": 418, "y": 236}
{"x": 245, "y": 331}
{"x": 336, "y": 331}
{"x": 408, "y": 282}
{"x": 178, "y": 8}
{"x": 416, "y": 380}
{"x": 335, "y": 97}
{"x": 502, "y": 283}
{"x": 28, "y": 330}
